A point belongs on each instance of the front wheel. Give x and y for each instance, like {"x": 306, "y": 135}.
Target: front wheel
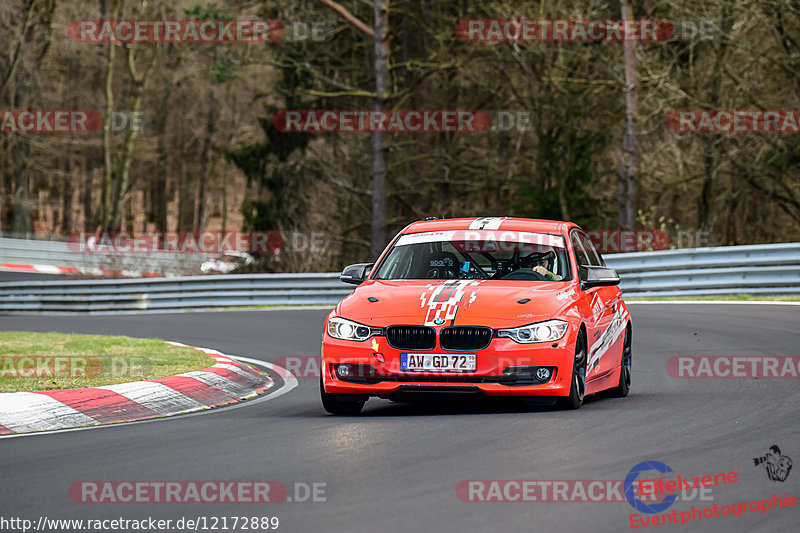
{"x": 577, "y": 389}
{"x": 336, "y": 406}
{"x": 624, "y": 385}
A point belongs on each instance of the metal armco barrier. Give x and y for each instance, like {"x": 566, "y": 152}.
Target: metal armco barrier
{"x": 750, "y": 269}
{"x": 57, "y": 253}
{"x": 757, "y": 269}
{"x": 190, "y": 293}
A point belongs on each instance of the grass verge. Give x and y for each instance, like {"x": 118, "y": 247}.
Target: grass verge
{"x": 50, "y": 361}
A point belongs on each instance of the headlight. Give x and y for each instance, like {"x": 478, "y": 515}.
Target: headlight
{"x": 549, "y": 331}
{"x": 341, "y": 328}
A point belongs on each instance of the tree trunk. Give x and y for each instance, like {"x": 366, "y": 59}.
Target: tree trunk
{"x": 109, "y": 181}
{"x": 20, "y": 155}
{"x": 710, "y": 140}
{"x": 66, "y": 195}
{"x": 89, "y": 218}
{"x": 185, "y": 198}
{"x": 381, "y": 8}
{"x": 630, "y": 146}
{"x": 205, "y": 165}
{"x": 123, "y": 186}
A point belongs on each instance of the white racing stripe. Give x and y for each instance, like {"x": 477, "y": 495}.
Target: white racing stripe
{"x": 156, "y": 397}
{"x": 609, "y": 337}
{"x": 48, "y": 269}
{"x": 220, "y": 382}
{"x": 289, "y": 380}
{"x": 17, "y": 409}
{"x": 244, "y": 372}
{"x": 487, "y": 223}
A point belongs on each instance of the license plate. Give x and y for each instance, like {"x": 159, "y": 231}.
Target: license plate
{"x": 438, "y": 362}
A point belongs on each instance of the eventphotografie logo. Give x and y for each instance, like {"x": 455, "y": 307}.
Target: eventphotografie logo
{"x": 633, "y": 498}
{"x": 665, "y": 490}
{"x": 775, "y": 464}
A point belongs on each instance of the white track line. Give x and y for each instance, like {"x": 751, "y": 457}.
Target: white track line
{"x": 156, "y": 397}
{"x": 289, "y": 382}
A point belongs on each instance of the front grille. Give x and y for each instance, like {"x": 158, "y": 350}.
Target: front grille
{"x": 411, "y": 337}
{"x": 465, "y": 338}
{"x": 371, "y": 377}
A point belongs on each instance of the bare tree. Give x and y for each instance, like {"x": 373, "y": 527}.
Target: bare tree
{"x": 630, "y": 145}
{"x": 378, "y": 152}
{"x": 380, "y": 36}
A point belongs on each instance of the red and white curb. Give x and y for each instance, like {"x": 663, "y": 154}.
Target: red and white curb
{"x": 226, "y": 382}
{"x": 51, "y": 269}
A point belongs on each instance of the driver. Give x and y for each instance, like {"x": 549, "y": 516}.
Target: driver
{"x": 542, "y": 265}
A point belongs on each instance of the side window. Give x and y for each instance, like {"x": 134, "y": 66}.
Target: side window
{"x": 591, "y": 252}
{"x": 580, "y": 254}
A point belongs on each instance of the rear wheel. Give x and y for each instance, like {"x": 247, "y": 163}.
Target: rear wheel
{"x": 336, "y": 405}
{"x": 577, "y": 389}
{"x": 624, "y": 385}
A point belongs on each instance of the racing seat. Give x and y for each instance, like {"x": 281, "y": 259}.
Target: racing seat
{"x": 442, "y": 265}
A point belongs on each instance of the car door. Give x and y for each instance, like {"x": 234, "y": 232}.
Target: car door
{"x": 602, "y": 321}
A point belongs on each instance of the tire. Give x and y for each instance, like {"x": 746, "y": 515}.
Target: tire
{"x": 577, "y": 389}
{"x": 334, "y": 405}
{"x": 624, "y": 385}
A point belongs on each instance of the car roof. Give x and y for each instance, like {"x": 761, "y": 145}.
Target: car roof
{"x": 555, "y": 227}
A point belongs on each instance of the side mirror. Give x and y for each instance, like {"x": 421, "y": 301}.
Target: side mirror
{"x": 597, "y": 276}
{"x": 357, "y": 273}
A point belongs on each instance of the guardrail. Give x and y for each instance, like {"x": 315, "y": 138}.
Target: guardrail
{"x": 58, "y": 253}
{"x": 750, "y": 269}
{"x": 169, "y": 295}
{"x": 761, "y": 269}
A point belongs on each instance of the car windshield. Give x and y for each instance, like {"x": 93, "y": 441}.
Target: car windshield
{"x": 477, "y": 254}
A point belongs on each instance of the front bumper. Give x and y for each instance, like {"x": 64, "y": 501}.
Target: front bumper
{"x": 495, "y": 373}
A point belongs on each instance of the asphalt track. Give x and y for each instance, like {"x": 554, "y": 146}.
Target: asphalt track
{"x": 397, "y": 466}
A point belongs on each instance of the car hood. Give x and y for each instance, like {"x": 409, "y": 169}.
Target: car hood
{"x": 494, "y": 303}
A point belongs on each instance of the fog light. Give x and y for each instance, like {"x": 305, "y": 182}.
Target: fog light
{"x": 343, "y": 371}
{"x": 543, "y": 374}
